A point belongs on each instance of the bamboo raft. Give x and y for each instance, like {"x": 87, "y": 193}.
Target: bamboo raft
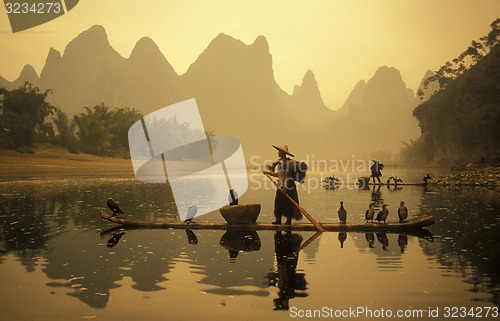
{"x": 399, "y": 184}
{"x": 412, "y": 224}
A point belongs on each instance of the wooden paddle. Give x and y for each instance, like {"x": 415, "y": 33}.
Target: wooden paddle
{"x": 303, "y": 211}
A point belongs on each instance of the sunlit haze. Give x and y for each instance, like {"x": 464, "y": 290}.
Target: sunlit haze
{"x": 341, "y": 41}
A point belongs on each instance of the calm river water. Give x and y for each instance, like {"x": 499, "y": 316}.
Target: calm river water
{"x": 60, "y": 261}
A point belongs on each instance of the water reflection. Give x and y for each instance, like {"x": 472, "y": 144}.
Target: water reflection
{"x": 468, "y": 226}
{"x": 370, "y": 238}
{"x": 402, "y": 242}
{"x": 342, "y": 237}
{"x": 290, "y": 283}
{"x": 58, "y": 224}
{"x": 115, "y": 238}
{"x": 394, "y": 188}
{"x": 377, "y": 196}
{"x": 240, "y": 241}
{"x": 191, "y": 237}
{"x": 382, "y": 238}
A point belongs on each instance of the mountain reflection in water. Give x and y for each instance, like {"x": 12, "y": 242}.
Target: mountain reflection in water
{"x": 54, "y": 227}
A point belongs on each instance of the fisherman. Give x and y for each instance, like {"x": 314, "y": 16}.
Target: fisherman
{"x": 284, "y": 169}
{"x": 376, "y": 170}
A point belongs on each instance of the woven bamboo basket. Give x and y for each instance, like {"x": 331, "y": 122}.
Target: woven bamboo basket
{"x": 240, "y": 214}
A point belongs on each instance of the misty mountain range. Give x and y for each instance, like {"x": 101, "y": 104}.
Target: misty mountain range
{"x": 237, "y": 94}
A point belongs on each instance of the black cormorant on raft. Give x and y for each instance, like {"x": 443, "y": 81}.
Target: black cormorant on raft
{"x": 408, "y": 225}
{"x": 342, "y": 213}
{"x": 113, "y": 206}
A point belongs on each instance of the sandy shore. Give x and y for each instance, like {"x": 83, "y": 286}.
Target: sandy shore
{"x": 55, "y": 162}
{"x": 52, "y": 161}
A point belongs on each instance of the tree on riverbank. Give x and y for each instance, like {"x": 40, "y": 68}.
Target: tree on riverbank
{"x": 65, "y": 132}
{"x": 467, "y": 59}
{"x": 101, "y": 131}
{"x": 23, "y": 114}
{"x": 461, "y": 121}
{"x": 24, "y": 120}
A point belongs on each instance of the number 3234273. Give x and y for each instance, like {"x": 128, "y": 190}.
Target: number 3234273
{"x": 473, "y": 312}
{"x": 30, "y": 8}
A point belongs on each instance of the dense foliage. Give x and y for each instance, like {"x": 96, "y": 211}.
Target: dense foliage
{"x": 468, "y": 58}
{"x": 463, "y": 120}
{"x": 104, "y": 132}
{"x": 24, "y": 119}
{"x": 23, "y": 112}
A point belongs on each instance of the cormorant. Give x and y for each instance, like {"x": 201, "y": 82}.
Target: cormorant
{"x": 382, "y": 215}
{"x": 342, "y": 213}
{"x": 331, "y": 182}
{"x": 370, "y": 213}
{"x": 395, "y": 179}
{"x": 113, "y": 206}
{"x": 192, "y": 210}
{"x": 402, "y": 212}
{"x": 233, "y": 197}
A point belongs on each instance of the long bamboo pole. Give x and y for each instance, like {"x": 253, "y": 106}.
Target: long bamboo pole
{"x": 303, "y": 211}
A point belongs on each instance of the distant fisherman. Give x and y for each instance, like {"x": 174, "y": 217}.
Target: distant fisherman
{"x": 376, "y": 170}
{"x": 402, "y": 212}
{"x": 342, "y": 213}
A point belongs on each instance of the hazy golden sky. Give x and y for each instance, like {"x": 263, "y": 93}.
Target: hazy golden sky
{"x": 342, "y": 41}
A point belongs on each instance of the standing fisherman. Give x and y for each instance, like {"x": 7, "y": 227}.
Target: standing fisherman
{"x": 284, "y": 169}
{"x": 376, "y": 170}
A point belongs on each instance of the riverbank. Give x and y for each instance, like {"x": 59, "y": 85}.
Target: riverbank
{"x": 471, "y": 176}
{"x": 56, "y": 162}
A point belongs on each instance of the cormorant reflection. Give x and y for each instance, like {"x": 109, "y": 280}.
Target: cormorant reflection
{"x": 402, "y": 242}
{"x": 394, "y": 188}
{"x": 370, "y": 238}
{"x": 192, "y": 239}
{"x": 342, "y": 237}
{"x": 115, "y": 238}
{"x": 236, "y": 241}
{"x": 382, "y": 238}
{"x": 289, "y": 282}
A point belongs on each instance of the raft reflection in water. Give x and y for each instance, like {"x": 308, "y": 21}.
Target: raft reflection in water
{"x": 240, "y": 241}
{"x": 286, "y": 276}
